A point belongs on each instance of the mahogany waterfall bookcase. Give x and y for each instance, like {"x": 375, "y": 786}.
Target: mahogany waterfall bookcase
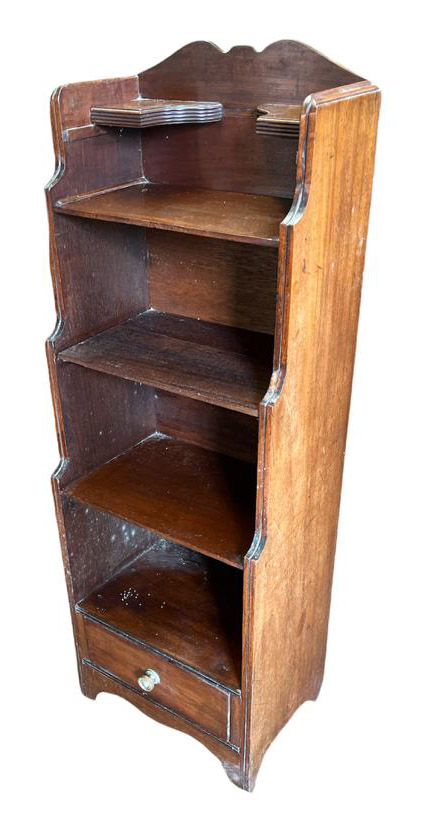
{"x": 208, "y": 223}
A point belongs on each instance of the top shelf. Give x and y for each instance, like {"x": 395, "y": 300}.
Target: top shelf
{"x": 239, "y": 217}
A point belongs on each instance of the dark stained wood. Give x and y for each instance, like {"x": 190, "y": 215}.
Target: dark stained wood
{"x": 219, "y": 214}
{"x": 112, "y": 159}
{"x": 224, "y": 282}
{"x": 93, "y": 430}
{"x": 220, "y": 365}
{"x": 227, "y": 156}
{"x": 103, "y": 285}
{"x": 284, "y": 72}
{"x": 179, "y": 690}
{"x": 144, "y": 113}
{"x": 99, "y": 544}
{"x": 230, "y": 155}
{"x": 75, "y": 100}
{"x": 206, "y": 425}
{"x": 144, "y": 469}
{"x": 201, "y": 499}
{"x": 180, "y": 603}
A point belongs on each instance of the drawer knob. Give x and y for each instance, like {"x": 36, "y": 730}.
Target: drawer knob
{"x": 148, "y": 679}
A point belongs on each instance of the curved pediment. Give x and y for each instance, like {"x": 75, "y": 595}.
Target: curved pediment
{"x": 285, "y": 71}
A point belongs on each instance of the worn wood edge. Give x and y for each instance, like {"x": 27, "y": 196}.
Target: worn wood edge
{"x": 276, "y": 387}
{"x": 294, "y": 216}
{"x": 94, "y": 682}
{"x": 171, "y": 112}
{"x": 59, "y": 137}
{"x": 278, "y": 120}
{"x": 218, "y": 400}
{"x": 59, "y": 171}
{"x": 69, "y": 491}
{"x": 65, "y": 205}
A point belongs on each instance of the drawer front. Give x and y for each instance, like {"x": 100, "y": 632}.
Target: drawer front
{"x": 183, "y": 692}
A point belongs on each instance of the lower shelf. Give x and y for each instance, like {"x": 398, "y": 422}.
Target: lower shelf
{"x": 180, "y": 603}
{"x": 201, "y": 499}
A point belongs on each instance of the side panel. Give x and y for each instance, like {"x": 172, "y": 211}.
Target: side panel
{"x": 98, "y": 279}
{"x": 304, "y": 417}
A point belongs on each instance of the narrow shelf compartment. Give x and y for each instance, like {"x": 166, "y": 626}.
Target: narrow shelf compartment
{"x": 148, "y": 113}
{"x": 240, "y": 217}
{"x": 179, "y": 603}
{"x": 200, "y": 499}
{"x": 225, "y": 366}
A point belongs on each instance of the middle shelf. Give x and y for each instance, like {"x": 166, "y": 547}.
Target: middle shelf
{"x": 225, "y": 366}
{"x": 195, "y": 497}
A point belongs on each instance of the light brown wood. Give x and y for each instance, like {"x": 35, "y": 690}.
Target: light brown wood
{"x": 303, "y": 426}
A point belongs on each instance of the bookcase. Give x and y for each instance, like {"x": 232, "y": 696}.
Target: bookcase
{"x": 208, "y": 221}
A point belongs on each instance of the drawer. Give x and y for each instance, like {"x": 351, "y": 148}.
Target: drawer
{"x": 179, "y": 690}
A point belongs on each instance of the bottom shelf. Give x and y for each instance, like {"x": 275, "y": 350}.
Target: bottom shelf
{"x": 183, "y": 604}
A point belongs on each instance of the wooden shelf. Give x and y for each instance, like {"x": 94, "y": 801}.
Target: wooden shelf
{"x": 219, "y": 365}
{"x": 179, "y": 603}
{"x": 279, "y": 120}
{"x": 192, "y": 496}
{"x": 147, "y": 113}
{"x": 240, "y": 217}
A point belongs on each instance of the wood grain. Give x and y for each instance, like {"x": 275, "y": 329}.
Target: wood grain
{"x": 206, "y": 425}
{"x": 284, "y": 72}
{"x": 288, "y": 571}
{"x": 279, "y": 120}
{"x": 218, "y": 214}
{"x": 219, "y": 365}
{"x": 156, "y": 205}
{"x": 178, "y": 690}
{"x": 224, "y": 282}
{"x": 145, "y": 113}
{"x": 227, "y": 156}
{"x": 93, "y": 431}
{"x": 201, "y": 499}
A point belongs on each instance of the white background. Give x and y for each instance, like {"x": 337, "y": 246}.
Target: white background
{"x": 360, "y": 750}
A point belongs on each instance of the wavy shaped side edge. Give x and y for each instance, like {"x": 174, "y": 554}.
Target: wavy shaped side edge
{"x": 295, "y": 215}
{"x": 94, "y": 682}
